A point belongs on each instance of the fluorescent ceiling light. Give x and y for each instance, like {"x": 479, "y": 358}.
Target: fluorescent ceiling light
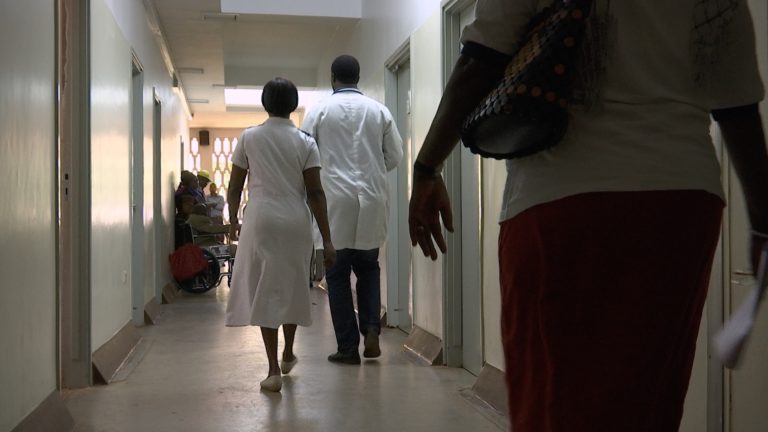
{"x": 252, "y": 97}
{"x": 198, "y": 101}
{"x": 218, "y": 16}
{"x": 191, "y": 70}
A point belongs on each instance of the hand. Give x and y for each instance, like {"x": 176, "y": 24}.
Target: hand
{"x": 429, "y": 203}
{"x": 757, "y": 243}
{"x": 234, "y": 232}
{"x": 329, "y": 255}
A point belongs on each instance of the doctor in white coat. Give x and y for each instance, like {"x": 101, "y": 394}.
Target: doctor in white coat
{"x": 359, "y": 143}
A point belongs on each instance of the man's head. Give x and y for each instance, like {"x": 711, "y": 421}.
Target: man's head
{"x": 345, "y": 72}
{"x": 203, "y": 178}
{"x": 280, "y": 97}
{"x": 213, "y": 189}
{"x": 189, "y": 180}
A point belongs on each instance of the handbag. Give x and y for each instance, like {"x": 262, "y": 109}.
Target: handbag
{"x": 527, "y": 110}
{"x": 187, "y": 262}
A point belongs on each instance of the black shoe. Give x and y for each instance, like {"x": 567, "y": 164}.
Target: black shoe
{"x": 345, "y": 358}
{"x": 372, "y": 349}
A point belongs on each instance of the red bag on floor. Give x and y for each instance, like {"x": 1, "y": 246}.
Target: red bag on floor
{"x": 187, "y": 261}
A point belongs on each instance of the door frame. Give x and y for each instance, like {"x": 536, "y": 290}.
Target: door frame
{"x": 137, "y": 272}
{"x": 398, "y": 240}
{"x": 73, "y": 111}
{"x": 463, "y": 312}
{"x": 158, "y": 223}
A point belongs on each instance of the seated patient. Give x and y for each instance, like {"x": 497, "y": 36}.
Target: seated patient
{"x": 202, "y": 223}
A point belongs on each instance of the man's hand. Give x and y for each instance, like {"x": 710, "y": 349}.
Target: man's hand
{"x": 429, "y": 203}
{"x": 234, "y": 232}
{"x": 329, "y": 255}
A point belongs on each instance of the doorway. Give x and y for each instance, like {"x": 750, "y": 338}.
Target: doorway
{"x": 158, "y": 223}
{"x": 137, "y": 192}
{"x": 464, "y": 329}
{"x": 399, "y": 274}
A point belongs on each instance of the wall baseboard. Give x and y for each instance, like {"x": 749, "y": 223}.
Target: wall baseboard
{"x": 110, "y": 356}
{"x": 169, "y": 293}
{"x": 50, "y": 416}
{"x": 424, "y": 347}
{"x": 152, "y": 310}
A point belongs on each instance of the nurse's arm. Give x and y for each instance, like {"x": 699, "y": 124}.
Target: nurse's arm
{"x": 234, "y": 193}
{"x": 318, "y": 205}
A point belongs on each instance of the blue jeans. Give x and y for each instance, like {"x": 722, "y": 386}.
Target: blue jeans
{"x": 365, "y": 264}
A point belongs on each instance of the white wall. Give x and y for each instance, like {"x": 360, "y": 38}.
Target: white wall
{"x": 130, "y": 17}
{"x": 27, "y": 233}
{"x": 119, "y": 27}
{"x": 110, "y": 164}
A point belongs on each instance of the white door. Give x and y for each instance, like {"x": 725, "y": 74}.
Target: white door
{"x": 404, "y": 277}
{"x": 137, "y": 196}
{"x": 471, "y": 284}
{"x": 157, "y": 197}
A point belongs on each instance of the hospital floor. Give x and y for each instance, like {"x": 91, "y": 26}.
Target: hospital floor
{"x": 190, "y": 373}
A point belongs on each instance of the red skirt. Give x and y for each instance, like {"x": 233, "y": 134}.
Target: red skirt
{"x": 602, "y": 295}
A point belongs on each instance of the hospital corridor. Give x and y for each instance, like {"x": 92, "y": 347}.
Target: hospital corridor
{"x": 134, "y": 288}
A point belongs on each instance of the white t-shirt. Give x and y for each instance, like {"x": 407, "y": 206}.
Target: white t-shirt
{"x": 218, "y": 210}
{"x": 359, "y": 143}
{"x": 650, "y": 127}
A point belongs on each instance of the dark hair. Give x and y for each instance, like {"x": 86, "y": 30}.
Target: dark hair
{"x": 346, "y": 69}
{"x": 280, "y": 97}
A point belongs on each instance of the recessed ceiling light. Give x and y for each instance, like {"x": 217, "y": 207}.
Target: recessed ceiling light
{"x": 198, "y": 101}
{"x": 191, "y": 70}
{"x": 219, "y": 16}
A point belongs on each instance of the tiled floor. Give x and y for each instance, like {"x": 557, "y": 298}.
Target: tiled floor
{"x": 193, "y": 374}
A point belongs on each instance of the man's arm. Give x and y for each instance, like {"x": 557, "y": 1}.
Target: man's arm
{"x": 745, "y": 141}
{"x": 392, "y": 145}
{"x": 470, "y": 81}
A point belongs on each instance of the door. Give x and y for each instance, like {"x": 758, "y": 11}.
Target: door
{"x": 158, "y": 223}
{"x": 462, "y": 273}
{"x": 472, "y": 281}
{"x": 405, "y": 278}
{"x": 137, "y": 194}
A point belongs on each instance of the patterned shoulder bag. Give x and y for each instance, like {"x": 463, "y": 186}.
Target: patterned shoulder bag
{"x": 527, "y": 111}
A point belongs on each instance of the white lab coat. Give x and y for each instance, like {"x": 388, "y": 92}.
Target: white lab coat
{"x": 359, "y": 143}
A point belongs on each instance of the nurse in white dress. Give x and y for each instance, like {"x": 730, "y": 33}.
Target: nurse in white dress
{"x": 269, "y": 280}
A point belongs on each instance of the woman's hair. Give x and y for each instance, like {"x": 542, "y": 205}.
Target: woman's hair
{"x": 280, "y": 97}
{"x": 346, "y": 69}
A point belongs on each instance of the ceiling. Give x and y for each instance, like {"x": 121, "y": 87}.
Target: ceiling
{"x": 211, "y": 51}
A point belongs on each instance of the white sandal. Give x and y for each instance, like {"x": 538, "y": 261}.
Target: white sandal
{"x": 286, "y": 366}
{"x": 272, "y": 383}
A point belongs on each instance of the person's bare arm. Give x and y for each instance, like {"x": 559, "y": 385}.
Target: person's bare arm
{"x": 234, "y": 194}
{"x": 745, "y": 141}
{"x": 318, "y": 205}
{"x": 470, "y": 81}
